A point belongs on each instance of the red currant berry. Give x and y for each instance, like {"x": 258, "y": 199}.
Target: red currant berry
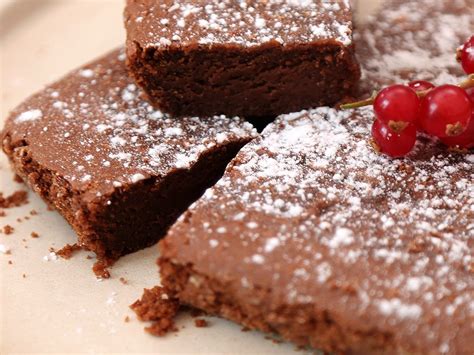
{"x": 470, "y": 93}
{"x": 420, "y": 85}
{"x": 393, "y": 144}
{"x": 467, "y": 56}
{"x": 397, "y": 106}
{"x": 465, "y": 140}
{"x": 445, "y": 111}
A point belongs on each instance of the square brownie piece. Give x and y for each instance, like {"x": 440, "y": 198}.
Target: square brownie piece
{"x": 245, "y": 58}
{"x": 118, "y": 170}
{"x": 313, "y": 235}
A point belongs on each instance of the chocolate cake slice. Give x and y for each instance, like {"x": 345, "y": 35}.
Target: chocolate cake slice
{"x": 119, "y": 171}
{"x": 313, "y": 235}
{"x": 247, "y": 58}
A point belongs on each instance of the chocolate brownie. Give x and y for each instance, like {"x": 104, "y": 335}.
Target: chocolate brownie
{"x": 247, "y": 58}
{"x": 313, "y": 235}
{"x": 119, "y": 171}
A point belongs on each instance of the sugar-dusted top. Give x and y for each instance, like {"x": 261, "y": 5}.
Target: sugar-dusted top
{"x": 94, "y": 129}
{"x": 246, "y": 23}
{"x": 421, "y": 45}
{"x": 311, "y": 212}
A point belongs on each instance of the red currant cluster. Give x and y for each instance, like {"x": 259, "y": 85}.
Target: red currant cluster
{"x": 445, "y": 112}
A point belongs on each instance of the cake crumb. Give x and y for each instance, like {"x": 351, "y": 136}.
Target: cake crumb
{"x": 100, "y": 269}
{"x": 161, "y": 327}
{"x": 10, "y": 262}
{"x": 18, "y": 179}
{"x": 2, "y": 213}
{"x": 158, "y": 306}
{"x": 24, "y": 276}
{"x": 8, "y": 229}
{"x": 34, "y": 235}
{"x": 33, "y": 212}
{"x": 127, "y": 319}
{"x": 17, "y": 199}
{"x": 67, "y": 251}
{"x": 123, "y": 281}
{"x": 201, "y": 323}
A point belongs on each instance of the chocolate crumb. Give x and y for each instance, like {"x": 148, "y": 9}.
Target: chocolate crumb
{"x": 158, "y": 306}
{"x": 17, "y": 199}
{"x": 245, "y": 329}
{"x": 8, "y": 229}
{"x": 100, "y": 269}
{"x": 24, "y": 276}
{"x": 200, "y": 323}
{"x": 17, "y": 179}
{"x": 10, "y": 262}
{"x": 161, "y": 327}
{"x": 123, "y": 281}
{"x": 33, "y": 212}
{"x": 68, "y": 250}
{"x": 127, "y": 319}
{"x": 2, "y": 213}
{"x": 34, "y": 235}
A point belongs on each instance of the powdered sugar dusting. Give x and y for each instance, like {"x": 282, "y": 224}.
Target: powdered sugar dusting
{"x": 395, "y": 307}
{"x": 334, "y": 209}
{"x": 86, "y": 73}
{"x": 243, "y": 22}
{"x": 31, "y": 115}
{"x": 112, "y": 136}
{"x": 415, "y": 40}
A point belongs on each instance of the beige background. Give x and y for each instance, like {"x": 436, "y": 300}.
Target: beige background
{"x": 59, "y": 306}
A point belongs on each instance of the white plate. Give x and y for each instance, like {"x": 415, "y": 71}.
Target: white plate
{"x": 59, "y": 306}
